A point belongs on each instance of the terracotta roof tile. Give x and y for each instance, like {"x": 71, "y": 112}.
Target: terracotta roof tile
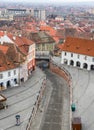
{"x": 60, "y": 46}
{"x": 5, "y": 62}
{"x": 41, "y": 37}
{"x": 1, "y": 33}
{"x": 22, "y": 42}
{"x": 79, "y": 46}
{"x": 4, "y": 49}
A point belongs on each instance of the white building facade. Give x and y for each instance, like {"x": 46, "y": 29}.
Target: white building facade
{"x": 78, "y": 53}
{"x": 31, "y": 59}
{"x": 26, "y": 63}
{"x": 9, "y": 78}
{"x": 77, "y": 60}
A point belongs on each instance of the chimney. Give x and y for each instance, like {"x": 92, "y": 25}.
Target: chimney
{"x": 2, "y": 40}
{"x": 20, "y": 35}
{"x": 14, "y": 37}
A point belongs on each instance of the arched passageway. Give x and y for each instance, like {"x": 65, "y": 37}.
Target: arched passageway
{"x": 78, "y": 64}
{"x": 85, "y": 66}
{"x": 71, "y": 62}
{"x": 92, "y": 67}
{"x": 8, "y": 84}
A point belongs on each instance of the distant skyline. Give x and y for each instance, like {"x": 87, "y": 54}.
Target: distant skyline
{"x": 48, "y": 1}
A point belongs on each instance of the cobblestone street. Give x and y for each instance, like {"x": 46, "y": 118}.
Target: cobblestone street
{"x": 55, "y": 114}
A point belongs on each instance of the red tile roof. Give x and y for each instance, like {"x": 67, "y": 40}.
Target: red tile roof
{"x": 22, "y": 42}
{"x": 4, "y": 48}
{"x": 5, "y": 62}
{"x": 60, "y": 46}
{"x": 79, "y": 46}
{"x": 1, "y": 33}
{"x": 51, "y": 31}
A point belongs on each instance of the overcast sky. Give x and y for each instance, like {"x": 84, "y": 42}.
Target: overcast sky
{"x": 42, "y": 1}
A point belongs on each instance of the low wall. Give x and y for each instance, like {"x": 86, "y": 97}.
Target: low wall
{"x": 61, "y": 71}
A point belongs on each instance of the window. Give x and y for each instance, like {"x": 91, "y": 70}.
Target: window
{"x": 78, "y": 56}
{"x": 43, "y": 46}
{"x": 65, "y": 53}
{"x": 14, "y": 72}
{"x": 71, "y": 54}
{"x": 38, "y": 47}
{"x": 9, "y": 74}
{"x": 1, "y": 76}
{"x": 85, "y": 57}
{"x": 93, "y": 59}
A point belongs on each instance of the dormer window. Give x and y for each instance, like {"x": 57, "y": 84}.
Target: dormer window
{"x": 67, "y": 45}
{"x": 77, "y": 47}
{"x": 88, "y": 49}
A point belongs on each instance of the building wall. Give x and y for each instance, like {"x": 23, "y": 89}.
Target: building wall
{"x": 31, "y": 59}
{"x": 40, "y": 14}
{"x": 77, "y": 60}
{"x": 21, "y": 75}
{"x": 23, "y": 71}
{"x": 4, "y": 80}
{"x": 16, "y": 11}
{"x": 44, "y": 49}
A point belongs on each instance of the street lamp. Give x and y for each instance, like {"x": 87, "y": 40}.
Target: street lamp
{"x": 17, "y": 120}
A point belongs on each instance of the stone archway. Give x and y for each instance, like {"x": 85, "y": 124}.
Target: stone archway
{"x": 65, "y": 61}
{"x": 78, "y": 64}
{"x": 71, "y": 62}
{"x": 85, "y": 65}
{"x": 92, "y": 67}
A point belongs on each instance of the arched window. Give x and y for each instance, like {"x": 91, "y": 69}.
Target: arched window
{"x": 78, "y": 64}
{"x": 71, "y": 62}
{"x": 85, "y": 65}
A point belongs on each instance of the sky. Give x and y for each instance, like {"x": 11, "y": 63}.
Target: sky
{"x": 42, "y": 1}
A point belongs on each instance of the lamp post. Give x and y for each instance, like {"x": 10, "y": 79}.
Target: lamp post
{"x": 17, "y": 120}
{"x": 19, "y": 69}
